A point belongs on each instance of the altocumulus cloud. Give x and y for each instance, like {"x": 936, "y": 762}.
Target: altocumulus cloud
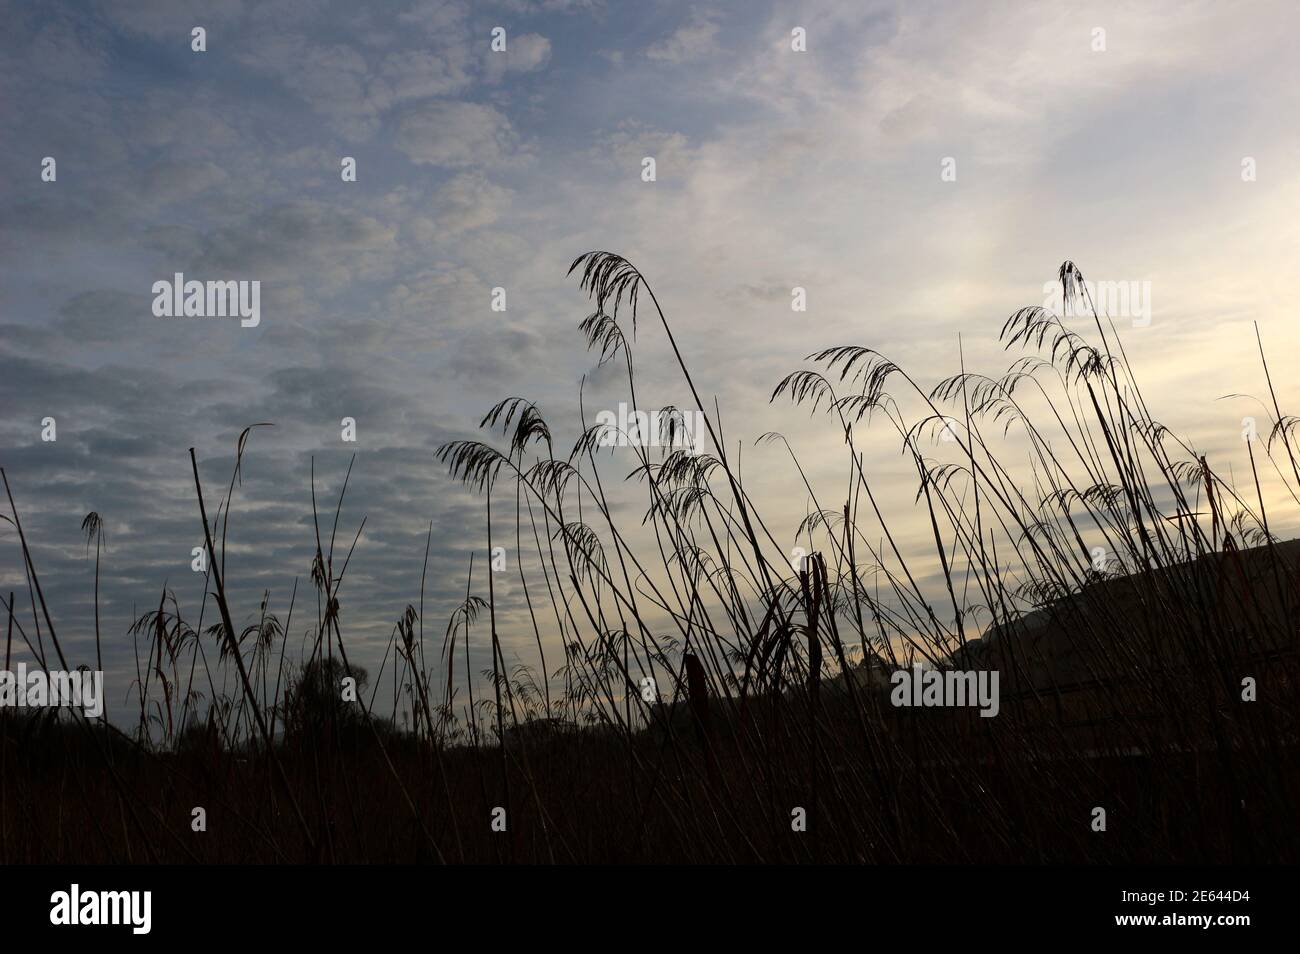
{"x": 776, "y": 169}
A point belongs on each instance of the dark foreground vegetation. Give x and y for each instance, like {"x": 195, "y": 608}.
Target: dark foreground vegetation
{"x": 712, "y": 702}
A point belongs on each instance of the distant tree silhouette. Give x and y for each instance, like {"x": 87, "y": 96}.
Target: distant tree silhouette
{"x": 315, "y": 698}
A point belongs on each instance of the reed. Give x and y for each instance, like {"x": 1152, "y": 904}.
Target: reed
{"x": 708, "y": 693}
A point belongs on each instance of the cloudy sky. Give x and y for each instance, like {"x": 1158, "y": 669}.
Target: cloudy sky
{"x": 477, "y": 169}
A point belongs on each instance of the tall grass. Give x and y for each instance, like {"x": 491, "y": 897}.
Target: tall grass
{"x": 694, "y": 692}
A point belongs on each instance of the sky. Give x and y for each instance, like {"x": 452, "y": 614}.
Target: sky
{"x": 919, "y": 169}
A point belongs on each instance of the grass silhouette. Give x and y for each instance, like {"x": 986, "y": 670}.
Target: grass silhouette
{"x": 712, "y": 702}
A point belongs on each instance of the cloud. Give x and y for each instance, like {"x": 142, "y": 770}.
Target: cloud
{"x": 623, "y": 149}
{"x": 333, "y": 79}
{"x": 695, "y": 39}
{"x": 550, "y": 6}
{"x": 444, "y": 292}
{"x": 281, "y": 241}
{"x": 456, "y": 135}
{"x": 175, "y": 181}
{"x": 523, "y": 54}
{"x": 776, "y": 169}
{"x": 354, "y": 88}
{"x": 422, "y": 74}
{"x": 102, "y": 316}
{"x": 170, "y": 21}
{"x": 469, "y": 201}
